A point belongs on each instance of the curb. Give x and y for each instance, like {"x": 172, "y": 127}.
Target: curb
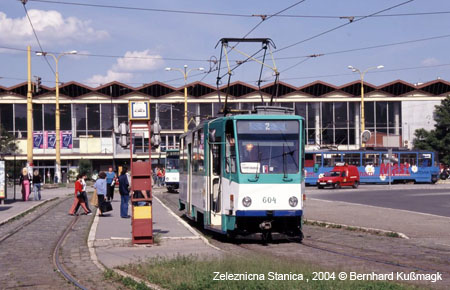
{"x": 363, "y": 229}
{"x": 27, "y": 210}
{"x": 95, "y": 260}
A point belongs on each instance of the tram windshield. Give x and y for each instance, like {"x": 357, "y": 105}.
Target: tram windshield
{"x": 172, "y": 163}
{"x": 270, "y": 147}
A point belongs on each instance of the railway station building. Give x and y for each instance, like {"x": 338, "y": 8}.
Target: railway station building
{"x": 393, "y": 111}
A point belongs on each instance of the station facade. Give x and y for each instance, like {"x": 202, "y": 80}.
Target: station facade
{"x": 89, "y": 116}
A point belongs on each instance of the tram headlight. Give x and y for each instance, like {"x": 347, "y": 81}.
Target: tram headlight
{"x": 293, "y": 201}
{"x": 247, "y": 201}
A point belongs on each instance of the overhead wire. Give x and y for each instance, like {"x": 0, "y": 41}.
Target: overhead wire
{"x": 342, "y": 25}
{"x": 279, "y": 58}
{"x": 253, "y": 29}
{"x": 35, "y": 34}
{"x": 207, "y": 13}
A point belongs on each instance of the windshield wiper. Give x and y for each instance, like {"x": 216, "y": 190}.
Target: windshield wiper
{"x": 285, "y": 174}
{"x": 258, "y": 165}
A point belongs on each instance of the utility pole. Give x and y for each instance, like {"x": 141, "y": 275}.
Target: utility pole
{"x": 29, "y": 112}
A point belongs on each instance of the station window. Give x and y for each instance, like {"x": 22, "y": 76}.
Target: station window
{"x": 80, "y": 116}
{"x": 21, "y": 120}
{"x": 65, "y": 111}
{"x": 107, "y": 116}
{"x": 205, "y": 111}
{"x": 37, "y": 117}
{"x": 93, "y": 119}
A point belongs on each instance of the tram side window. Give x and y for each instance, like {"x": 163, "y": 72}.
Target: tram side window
{"x": 195, "y": 156}
{"x": 201, "y": 152}
{"x": 371, "y": 159}
{"x": 183, "y": 156}
{"x": 425, "y": 160}
{"x": 309, "y": 160}
{"x": 352, "y": 159}
{"x": 393, "y": 161}
{"x": 329, "y": 160}
{"x": 216, "y": 157}
{"x": 408, "y": 158}
{"x": 230, "y": 148}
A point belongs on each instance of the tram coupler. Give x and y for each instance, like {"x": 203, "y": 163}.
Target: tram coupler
{"x": 266, "y": 225}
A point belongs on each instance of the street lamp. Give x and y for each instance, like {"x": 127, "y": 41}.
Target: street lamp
{"x": 185, "y": 73}
{"x": 57, "y": 117}
{"x": 363, "y": 120}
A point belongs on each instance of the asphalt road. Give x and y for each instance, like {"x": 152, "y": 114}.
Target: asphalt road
{"x": 424, "y": 198}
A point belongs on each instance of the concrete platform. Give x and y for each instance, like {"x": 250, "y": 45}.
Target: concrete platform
{"x": 173, "y": 237}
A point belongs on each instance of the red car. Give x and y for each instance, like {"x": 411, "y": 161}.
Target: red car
{"x": 341, "y": 175}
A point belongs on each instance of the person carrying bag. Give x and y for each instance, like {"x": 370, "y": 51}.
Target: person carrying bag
{"x": 94, "y": 199}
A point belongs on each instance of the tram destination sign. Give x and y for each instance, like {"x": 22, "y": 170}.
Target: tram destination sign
{"x": 267, "y": 127}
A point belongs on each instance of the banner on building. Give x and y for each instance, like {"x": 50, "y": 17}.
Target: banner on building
{"x": 2, "y": 180}
{"x": 47, "y": 140}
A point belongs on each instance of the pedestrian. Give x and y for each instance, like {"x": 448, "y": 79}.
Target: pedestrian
{"x": 163, "y": 176}
{"x": 100, "y": 186}
{"x": 79, "y": 200}
{"x": 37, "y": 180}
{"x": 110, "y": 184}
{"x": 124, "y": 190}
{"x": 159, "y": 176}
{"x": 25, "y": 182}
{"x": 83, "y": 193}
{"x": 155, "y": 175}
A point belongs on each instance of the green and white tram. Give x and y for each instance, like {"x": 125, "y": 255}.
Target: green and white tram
{"x": 172, "y": 176}
{"x": 243, "y": 174}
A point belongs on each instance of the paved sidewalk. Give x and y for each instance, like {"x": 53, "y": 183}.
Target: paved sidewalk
{"x": 13, "y": 208}
{"x": 173, "y": 237}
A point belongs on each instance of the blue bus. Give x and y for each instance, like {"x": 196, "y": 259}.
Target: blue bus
{"x": 376, "y": 166}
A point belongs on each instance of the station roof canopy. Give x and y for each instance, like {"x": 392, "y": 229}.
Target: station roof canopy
{"x": 237, "y": 89}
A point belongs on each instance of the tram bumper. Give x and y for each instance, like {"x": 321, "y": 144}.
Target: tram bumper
{"x": 280, "y": 221}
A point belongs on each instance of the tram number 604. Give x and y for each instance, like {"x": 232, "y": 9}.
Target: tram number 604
{"x": 268, "y": 199}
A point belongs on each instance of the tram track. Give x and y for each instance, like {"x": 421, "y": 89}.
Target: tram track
{"x": 19, "y": 231}
{"x": 56, "y": 256}
{"x": 377, "y": 253}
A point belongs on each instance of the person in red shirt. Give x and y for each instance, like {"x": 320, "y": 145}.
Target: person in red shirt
{"x": 79, "y": 200}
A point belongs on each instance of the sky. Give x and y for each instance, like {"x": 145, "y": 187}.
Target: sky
{"x": 134, "y": 46}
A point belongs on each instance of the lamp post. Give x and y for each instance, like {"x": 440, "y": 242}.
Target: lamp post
{"x": 361, "y": 74}
{"x": 185, "y": 73}
{"x": 57, "y": 116}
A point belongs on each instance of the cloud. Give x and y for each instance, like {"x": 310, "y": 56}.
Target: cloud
{"x": 125, "y": 67}
{"x": 50, "y": 26}
{"x": 109, "y": 77}
{"x": 138, "y": 61}
{"x": 430, "y": 61}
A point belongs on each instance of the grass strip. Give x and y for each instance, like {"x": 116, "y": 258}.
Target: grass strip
{"x": 257, "y": 272}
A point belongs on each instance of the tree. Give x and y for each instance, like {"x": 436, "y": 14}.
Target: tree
{"x": 85, "y": 167}
{"x": 7, "y": 142}
{"x": 439, "y": 138}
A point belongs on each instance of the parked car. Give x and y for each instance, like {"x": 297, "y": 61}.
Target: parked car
{"x": 341, "y": 175}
